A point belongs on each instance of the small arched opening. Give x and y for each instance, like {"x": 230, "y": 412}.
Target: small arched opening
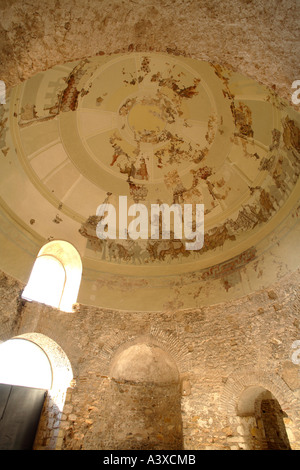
{"x": 262, "y": 419}
{"x": 55, "y": 277}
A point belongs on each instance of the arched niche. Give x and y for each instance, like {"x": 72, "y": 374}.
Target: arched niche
{"x": 144, "y": 363}
{"x": 56, "y": 276}
{"x": 145, "y": 389}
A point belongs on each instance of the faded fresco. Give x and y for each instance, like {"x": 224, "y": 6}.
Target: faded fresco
{"x": 157, "y": 128}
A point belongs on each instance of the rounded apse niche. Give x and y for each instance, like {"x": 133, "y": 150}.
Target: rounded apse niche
{"x": 158, "y": 129}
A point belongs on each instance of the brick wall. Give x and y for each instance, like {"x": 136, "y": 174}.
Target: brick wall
{"x": 220, "y": 351}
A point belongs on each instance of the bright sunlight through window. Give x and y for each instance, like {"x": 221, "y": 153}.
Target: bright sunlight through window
{"x": 47, "y": 281}
{"x": 24, "y": 363}
{"x": 56, "y": 276}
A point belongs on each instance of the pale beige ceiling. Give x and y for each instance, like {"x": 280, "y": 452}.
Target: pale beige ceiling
{"x": 156, "y": 128}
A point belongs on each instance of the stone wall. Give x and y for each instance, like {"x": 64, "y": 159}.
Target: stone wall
{"x": 220, "y": 352}
{"x": 11, "y": 305}
{"x": 257, "y": 38}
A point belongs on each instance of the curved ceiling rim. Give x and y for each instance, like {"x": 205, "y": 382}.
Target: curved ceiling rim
{"x": 197, "y": 266}
{"x": 151, "y": 271}
{"x": 139, "y": 271}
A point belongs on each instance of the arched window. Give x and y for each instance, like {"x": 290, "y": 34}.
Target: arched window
{"x": 56, "y": 276}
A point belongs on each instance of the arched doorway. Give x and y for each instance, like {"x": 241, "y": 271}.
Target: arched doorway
{"x": 263, "y": 420}
{"x": 25, "y": 377}
{"x": 34, "y": 376}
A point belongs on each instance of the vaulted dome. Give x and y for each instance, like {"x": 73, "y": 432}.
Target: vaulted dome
{"x": 155, "y": 128}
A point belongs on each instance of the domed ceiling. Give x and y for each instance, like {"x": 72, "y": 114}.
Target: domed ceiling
{"x": 158, "y": 129}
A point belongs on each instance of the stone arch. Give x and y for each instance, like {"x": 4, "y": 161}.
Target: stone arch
{"x": 247, "y": 396}
{"x": 248, "y": 399}
{"x": 62, "y": 373}
{"x": 239, "y": 381}
{"x": 145, "y": 386}
{"x": 262, "y": 419}
{"x": 144, "y": 362}
{"x": 167, "y": 341}
{"x": 62, "y": 377}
